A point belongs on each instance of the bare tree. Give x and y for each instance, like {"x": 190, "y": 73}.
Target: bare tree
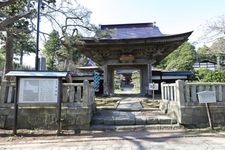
{"x": 9, "y": 18}
{"x": 72, "y": 21}
{"x": 12, "y": 11}
{"x": 218, "y": 26}
{"x": 67, "y": 17}
{"x": 218, "y": 48}
{"x": 212, "y": 30}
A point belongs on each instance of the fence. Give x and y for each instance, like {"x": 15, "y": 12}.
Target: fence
{"x": 78, "y": 106}
{"x": 8, "y": 92}
{"x": 78, "y": 93}
{"x": 191, "y": 90}
{"x": 181, "y": 101}
{"x": 82, "y": 93}
{"x": 169, "y": 91}
{"x": 187, "y": 92}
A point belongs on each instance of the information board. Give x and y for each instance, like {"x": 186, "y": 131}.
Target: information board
{"x": 207, "y": 97}
{"x": 153, "y": 86}
{"x": 38, "y": 90}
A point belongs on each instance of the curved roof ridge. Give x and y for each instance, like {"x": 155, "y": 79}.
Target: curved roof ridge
{"x": 128, "y": 31}
{"x": 126, "y": 25}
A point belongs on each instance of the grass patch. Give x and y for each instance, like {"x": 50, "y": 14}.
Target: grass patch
{"x": 207, "y": 130}
{"x": 151, "y": 104}
{"x": 105, "y": 102}
{"x": 133, "y": 91}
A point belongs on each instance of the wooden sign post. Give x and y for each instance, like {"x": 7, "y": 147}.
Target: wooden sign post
{"x": 153, "y": 86}
{"x": 209, "y": 115}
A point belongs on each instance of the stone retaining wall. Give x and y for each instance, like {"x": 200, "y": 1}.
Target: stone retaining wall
{"x": 46, "y": 117}
{"x": 197, "y": 115}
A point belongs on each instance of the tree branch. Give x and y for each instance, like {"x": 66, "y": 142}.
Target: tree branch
{"x": 11, "y": 20}
{"x": 6, "y": 3}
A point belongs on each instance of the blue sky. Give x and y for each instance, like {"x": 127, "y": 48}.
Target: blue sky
{"x": 171, "y": 16}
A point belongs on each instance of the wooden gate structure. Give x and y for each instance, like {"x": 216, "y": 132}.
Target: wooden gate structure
{"x": 130, "y": 46}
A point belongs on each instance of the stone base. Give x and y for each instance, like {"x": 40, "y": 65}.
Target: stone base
{"x": 195, "y": 114}
{"x": 45, "y": 117}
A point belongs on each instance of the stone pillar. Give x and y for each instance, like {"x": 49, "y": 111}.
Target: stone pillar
{"x": 149, "y": 78}
{"x": 105, "y": 83}
{"x": 150, "y": 73}
{"x": 86, "y": 93}
{"x": 110, "y": 81}
{"x": 180, "y": 99}
{"x": 162, "y": 91}
{"x": 180, "y": 93}
{"x": 3, "y": 92}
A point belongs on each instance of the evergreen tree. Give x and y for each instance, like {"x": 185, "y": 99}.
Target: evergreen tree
{"x": 204, "y": 53}
{"x": 52, "y": 45}
{"x": 181, "y": 59}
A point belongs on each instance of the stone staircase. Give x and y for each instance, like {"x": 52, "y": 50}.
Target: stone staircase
{"x": 137, "y": 117}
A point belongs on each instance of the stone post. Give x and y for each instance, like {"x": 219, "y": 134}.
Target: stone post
{"x": 93, "y": 105}
{"x": 86, "y": 93}
{"x": 220, "y": 90}
{"x": 92, "y": 93}
{"x": 180, "y": 99}
{"x": 149, "y": 78}
{"x": 180, "y": 92}
{"x": 105, "y": 83}
{"x": 162, "y": 91}
{"x": 3, "y": 91}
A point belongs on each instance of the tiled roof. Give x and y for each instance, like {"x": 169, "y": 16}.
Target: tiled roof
{"x": 129, "y": 31}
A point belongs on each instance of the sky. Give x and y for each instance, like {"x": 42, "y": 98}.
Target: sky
{"x": 171, "y": 16}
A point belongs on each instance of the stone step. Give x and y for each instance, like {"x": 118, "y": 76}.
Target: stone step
{"x": 136, "y": 127}
{"x": 139, "y": 120}
{"x": 112, "y": 117}
{"x": 126, "y": 109}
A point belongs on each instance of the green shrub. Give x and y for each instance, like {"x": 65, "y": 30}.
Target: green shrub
{"x": 207, "y": 75}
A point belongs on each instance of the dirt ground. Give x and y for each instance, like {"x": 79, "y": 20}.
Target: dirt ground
{"x": 111, "y": 140}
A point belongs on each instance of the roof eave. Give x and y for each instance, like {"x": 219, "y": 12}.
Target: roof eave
{"x": 155, "y": 38}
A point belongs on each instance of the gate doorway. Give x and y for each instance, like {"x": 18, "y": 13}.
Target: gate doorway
{"x": 127, "y": 81}
{"x": 138, "y": 46}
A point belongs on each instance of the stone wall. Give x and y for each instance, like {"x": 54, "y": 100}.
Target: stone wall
{"x": 76, "y": 113}
{"x": 180, "y": 100}
{"x": 197, "y": 115}
{"x": 45, "y": 117}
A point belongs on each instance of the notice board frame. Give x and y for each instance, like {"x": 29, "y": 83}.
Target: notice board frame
{"x": 43, "y": 75}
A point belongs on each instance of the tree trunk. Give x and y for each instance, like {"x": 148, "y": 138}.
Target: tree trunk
{"x": 218, "y": 61}
{"x": 66, "y": 65}
{"x": 8, "y": 54}
{"x": 21, "y": 58}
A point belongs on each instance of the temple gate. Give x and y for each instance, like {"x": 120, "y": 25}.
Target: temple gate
{"x": 130, "y": 46}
